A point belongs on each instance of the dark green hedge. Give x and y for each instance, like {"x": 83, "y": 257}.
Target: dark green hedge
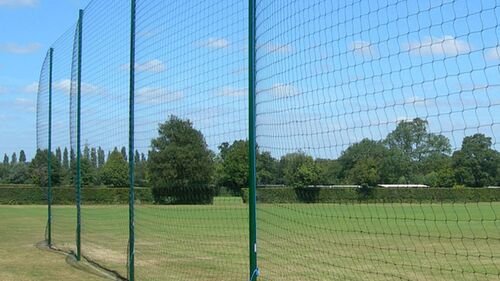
{"x": 66, "y": 195}
{"x": 199, "y": 195}
{"x": 388, "y": 195}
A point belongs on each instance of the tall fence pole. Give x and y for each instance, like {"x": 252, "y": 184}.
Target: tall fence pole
{"x": 252, "y": 142}
{"x": 131, "y": 246}
{"x": 78, "y": 131}
{"x": 49, "y": 154}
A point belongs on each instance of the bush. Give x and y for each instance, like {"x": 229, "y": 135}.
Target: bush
{"x": 386, "y": 195}
{"x": 30, "y": 194}
{"x": 197, "y": 195}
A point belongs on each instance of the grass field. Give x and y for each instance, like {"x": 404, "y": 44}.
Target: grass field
{"x": 21, "y": 228}
{"x": 296, "y": 241}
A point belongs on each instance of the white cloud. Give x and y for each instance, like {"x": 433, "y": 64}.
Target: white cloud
{"x": 17, "y": 49}
{"x": 284, "y": 90}
{"x": 278, "y": 48}
{"x": 88, "y": 88}
{"x": 493, "y": 53}
{"x": 18, "y": 3}
{"x": 215, "y": 43}
{"x": 229, "y": 91}
{"x": 446, "y": 46}
{"x": 241, "y": 70}
{"x": 31, "y": 88}
{"x": 417, "y": 101}
{"x": 153, "y": 66}
{"x": 151, "y": 95}
{"x": 363, "y": 48}
{"x": 64, "y": 85}
{"x": 27, "y": 105}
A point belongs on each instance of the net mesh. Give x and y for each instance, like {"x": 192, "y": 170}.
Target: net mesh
{"x": 103, "y": 134}
{"x": 42, "y": 112}
{"x": 63, "y": 212}
{"x": 377, "y": 126}
{"x": 42, "y": 126}
{"x": 355, "y": 94}
{"x": 191, "y": 99}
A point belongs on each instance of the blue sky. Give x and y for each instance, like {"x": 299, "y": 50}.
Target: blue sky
{"x": 329, "y": 73}
{"x": 341, "y": 71}
{"x": 28, "y": 28}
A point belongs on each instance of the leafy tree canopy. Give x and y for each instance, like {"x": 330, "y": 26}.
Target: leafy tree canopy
{"x": 412, "y": 138}
{"x": 39, "y": 169}
{"x": 180, "y": 165}
{"x": 476, "y": 163}
{"x": 115, "y": 170}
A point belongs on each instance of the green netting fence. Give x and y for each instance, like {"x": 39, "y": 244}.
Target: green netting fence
{"x": 365, "y": 93}
{"x": 53, "y": 135}
{"x": 276, "y": 140}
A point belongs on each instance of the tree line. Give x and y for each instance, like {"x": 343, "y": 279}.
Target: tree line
{"x": 179, "y": 161}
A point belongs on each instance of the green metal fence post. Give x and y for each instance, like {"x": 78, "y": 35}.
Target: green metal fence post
{"x": 78, "y": 131}
{"x": 254, "y": 272}
{"x": 131, "y": 245}
{"x": 49, "y": 154}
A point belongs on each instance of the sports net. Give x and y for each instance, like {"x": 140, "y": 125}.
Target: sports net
{"x": 42, "y": 129}
{"x": 357, "y": 94}
{"x": 377, "y": 126}
{"x": 191, "y": 129}
{"x": 63, "y": 211}
{"x": 103, "y": 135}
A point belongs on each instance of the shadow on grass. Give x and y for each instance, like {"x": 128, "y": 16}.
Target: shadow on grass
{"x": 85, "y": 264}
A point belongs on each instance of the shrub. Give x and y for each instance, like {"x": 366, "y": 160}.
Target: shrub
{"x": 386, "y": 195}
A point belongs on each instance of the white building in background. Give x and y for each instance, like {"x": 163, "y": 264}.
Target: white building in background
{"x": 403, "y": 185}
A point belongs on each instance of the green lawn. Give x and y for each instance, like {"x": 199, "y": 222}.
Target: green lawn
{"x": 21, "y": 228}
{"x": 296, "y": 241}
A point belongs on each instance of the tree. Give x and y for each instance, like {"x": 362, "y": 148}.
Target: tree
{"x": 299, "y": 170}
{"x": 22, "y": 157}
{"x": 101, "y": 157}
{"x": 267, "y": 168}
{"x": 72, "y": 157}
{"x": 86, "y": 152}
{"x": 233, "y": 173}
{"x": 4, "y": 172}
{"x": 13, "y": 159}
{"x": 412, "y": 138}
{"x": 365, "y": 172}
{"x": 476, "y": 164}
{"x": 93, "y": 157}
{"x": 180, "y": 165}
{"x": 39, "y": 169}
{"x": 88, "y": 174}
{"x": 19, "y": 174}
{"x": 65, "y": 160}
{"x": 124, "y": 153}
{"x": 137, "y": 157}
{"x": 329, "y": 171}
{"x": 115, "y": 171}
{"x": 5, "y": 159}
{"x": 374, "y": 153}
{"x": 140, "y": 170}
{"x": 59, "y": 155}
